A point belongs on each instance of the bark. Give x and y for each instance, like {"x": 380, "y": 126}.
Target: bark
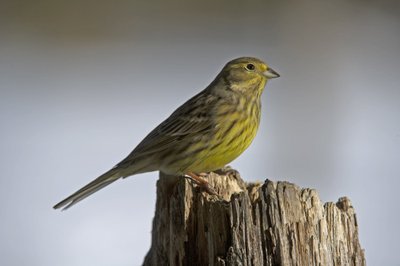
{"x": 270, "y": 223}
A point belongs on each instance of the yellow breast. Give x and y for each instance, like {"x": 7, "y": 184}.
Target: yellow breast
{"x": 232, "y": 137}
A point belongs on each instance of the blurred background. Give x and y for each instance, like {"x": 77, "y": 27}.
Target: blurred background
{"x": 82, "y": 82}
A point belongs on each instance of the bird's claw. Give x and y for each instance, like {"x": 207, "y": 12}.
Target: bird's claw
{"x": 208, "y": 188}
{"x": 203, "y": 184}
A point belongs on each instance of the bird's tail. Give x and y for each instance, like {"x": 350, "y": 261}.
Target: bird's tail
{"x": 97, "y": 184}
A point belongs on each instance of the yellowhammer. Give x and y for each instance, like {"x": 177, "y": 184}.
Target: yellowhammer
{"x": 204, "y": 134}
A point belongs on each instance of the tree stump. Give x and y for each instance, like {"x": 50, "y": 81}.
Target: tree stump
{"x": 270, "y": 223}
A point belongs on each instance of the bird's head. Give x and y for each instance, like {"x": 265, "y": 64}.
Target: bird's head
{"x": 247, "y": 75}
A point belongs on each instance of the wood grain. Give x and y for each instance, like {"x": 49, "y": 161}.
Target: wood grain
{"x": 270, "y": 223}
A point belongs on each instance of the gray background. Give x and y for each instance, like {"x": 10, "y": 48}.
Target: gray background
{"x": 83, "y": 82}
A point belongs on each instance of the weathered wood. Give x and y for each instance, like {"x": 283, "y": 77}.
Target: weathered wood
{"x": 250, "y": 224}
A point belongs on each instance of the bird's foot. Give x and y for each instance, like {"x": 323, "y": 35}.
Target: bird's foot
{"x": 203, "y": 184}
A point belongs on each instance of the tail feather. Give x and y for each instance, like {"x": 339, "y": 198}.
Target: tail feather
{"x": 97, "y": 184}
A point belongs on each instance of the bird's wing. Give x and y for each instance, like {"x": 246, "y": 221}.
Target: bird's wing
{"x": 191, "y": 119}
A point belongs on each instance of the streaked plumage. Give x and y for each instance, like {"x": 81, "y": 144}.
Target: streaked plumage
{"x": 204, "y": 134}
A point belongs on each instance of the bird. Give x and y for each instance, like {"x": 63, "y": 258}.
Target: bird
{"x": 204, "y": 134}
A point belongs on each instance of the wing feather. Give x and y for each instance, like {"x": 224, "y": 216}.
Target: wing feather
{"x": 192, "y": 118}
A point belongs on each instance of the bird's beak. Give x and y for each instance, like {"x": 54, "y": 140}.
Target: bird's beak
{"x": 270, "y": 73}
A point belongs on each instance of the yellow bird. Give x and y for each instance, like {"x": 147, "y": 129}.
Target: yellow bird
{"x": 204, "y": 134}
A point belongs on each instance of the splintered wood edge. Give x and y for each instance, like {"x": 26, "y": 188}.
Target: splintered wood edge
{"x": 228, "y": 182}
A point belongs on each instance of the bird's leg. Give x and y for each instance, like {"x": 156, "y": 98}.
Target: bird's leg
{"x": 203, "y": 184}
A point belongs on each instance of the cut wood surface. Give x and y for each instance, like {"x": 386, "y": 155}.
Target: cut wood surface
{"x": 270, "y": 223}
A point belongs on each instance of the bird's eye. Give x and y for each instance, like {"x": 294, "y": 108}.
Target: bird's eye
{"x": 250, "y": 67}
